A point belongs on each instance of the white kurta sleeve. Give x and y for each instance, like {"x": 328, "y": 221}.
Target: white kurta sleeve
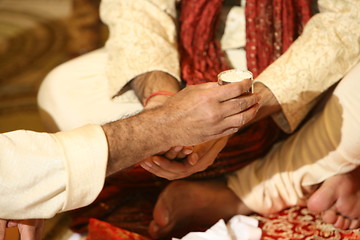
{"x": 142, "y": 38}
{"x": 42, "y": 174}
{"x": 327, "y": 49}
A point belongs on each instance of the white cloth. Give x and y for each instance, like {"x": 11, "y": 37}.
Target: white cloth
{"x": 239, "y": 227}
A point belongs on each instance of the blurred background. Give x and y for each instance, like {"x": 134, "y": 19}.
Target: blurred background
{"x": 36, "y": 36}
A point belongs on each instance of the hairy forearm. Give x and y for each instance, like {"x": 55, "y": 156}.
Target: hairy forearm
{"x": 151, "y": 82}
{"x": 129, "y": 140}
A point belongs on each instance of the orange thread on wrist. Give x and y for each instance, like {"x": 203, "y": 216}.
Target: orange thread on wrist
{"x": 162, "y": 92}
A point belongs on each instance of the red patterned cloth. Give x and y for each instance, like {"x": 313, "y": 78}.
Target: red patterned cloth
{"x": 296, "y": 223}
{"x": 99, "y": 230}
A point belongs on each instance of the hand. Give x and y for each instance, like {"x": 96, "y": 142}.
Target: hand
{"x": 202, "y": 157}
{"x": 29, "y": 229}
{"x": 195, "y": 115}
{"x": 206, "y": 111}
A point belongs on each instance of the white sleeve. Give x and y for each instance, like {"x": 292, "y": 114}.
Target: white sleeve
{"x": 142, "y": 38}
{"x": 327, "y": 49}
{"x": 42, "y": 174}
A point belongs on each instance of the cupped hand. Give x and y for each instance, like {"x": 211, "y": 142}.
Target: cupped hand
{"x": 201, "y": 158}
{"x": 30, "y": 229}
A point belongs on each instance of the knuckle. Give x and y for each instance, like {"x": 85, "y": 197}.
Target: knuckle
{"x": 241, "y": 120}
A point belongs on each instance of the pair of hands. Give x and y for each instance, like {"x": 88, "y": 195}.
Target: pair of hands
{"x": 191, "y": 159}
{"x": 28, "y": 229}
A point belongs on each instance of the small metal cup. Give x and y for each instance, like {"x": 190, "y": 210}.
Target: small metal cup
{"x": 235, "y": 75}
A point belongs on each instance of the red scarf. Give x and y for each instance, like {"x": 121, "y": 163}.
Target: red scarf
{"x": 271, "y": 27}
{"x": 128, "y": 197}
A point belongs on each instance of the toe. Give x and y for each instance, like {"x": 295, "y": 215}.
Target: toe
{"x": 346, "y": 223}
{"x": 322, "y": 199}
{"x": 355, "y": 223}
{"x": 329, "y": 216}
{"x": 340, "y": 221}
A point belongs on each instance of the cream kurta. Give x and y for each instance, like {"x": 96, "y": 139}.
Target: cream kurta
{"x": 43, "y": 174}
{"x": 143, "y": 38}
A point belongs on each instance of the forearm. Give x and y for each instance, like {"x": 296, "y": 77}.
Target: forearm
{"x": 133, "y": 139}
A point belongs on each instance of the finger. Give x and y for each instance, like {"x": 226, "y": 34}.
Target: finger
{"x": 164, "y": 168}
{"x": 233, "y": 90}
{"x": 185, "y": 152}
{"x": 31, "y": 229}
{"x": 175, "y": 169}
{"x": 156, "y": 170}
{"x": 12, "y": 223}
{"x": 193, "y": 159}
{"x": 240, "y": 104}
{"x": 240, "y": 119}
{"x": 173, "y": 152}
{"x": 2, "y": 228}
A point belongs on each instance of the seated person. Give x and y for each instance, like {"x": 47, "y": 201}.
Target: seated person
{"x": 142, "y": 57}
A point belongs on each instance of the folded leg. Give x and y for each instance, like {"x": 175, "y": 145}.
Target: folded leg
{"x": 327, "y": 145}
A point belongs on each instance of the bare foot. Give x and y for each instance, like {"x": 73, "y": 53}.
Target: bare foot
{"x": 338, "y": 200}
{"x": 185, "y": 206}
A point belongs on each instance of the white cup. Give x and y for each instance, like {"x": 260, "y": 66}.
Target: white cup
{"x": 235, "y": 75}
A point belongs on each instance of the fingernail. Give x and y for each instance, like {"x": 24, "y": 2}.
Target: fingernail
{"x": 177, "y": 148}
{"x": 148, "y": 164}
{"x": 193, "y": 159}
{"x": 187, "y": 151}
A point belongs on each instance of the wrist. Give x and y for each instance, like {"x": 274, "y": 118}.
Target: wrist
{"x": 150, "y": 82}
{"x": 160, "y": 97}
{"x": 268, "y": 102}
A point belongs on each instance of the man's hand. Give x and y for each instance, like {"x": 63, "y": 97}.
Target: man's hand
{"x": 203, "y": 112}
{"x": 194, "y": 115}
{"x": 29, "y": 229}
